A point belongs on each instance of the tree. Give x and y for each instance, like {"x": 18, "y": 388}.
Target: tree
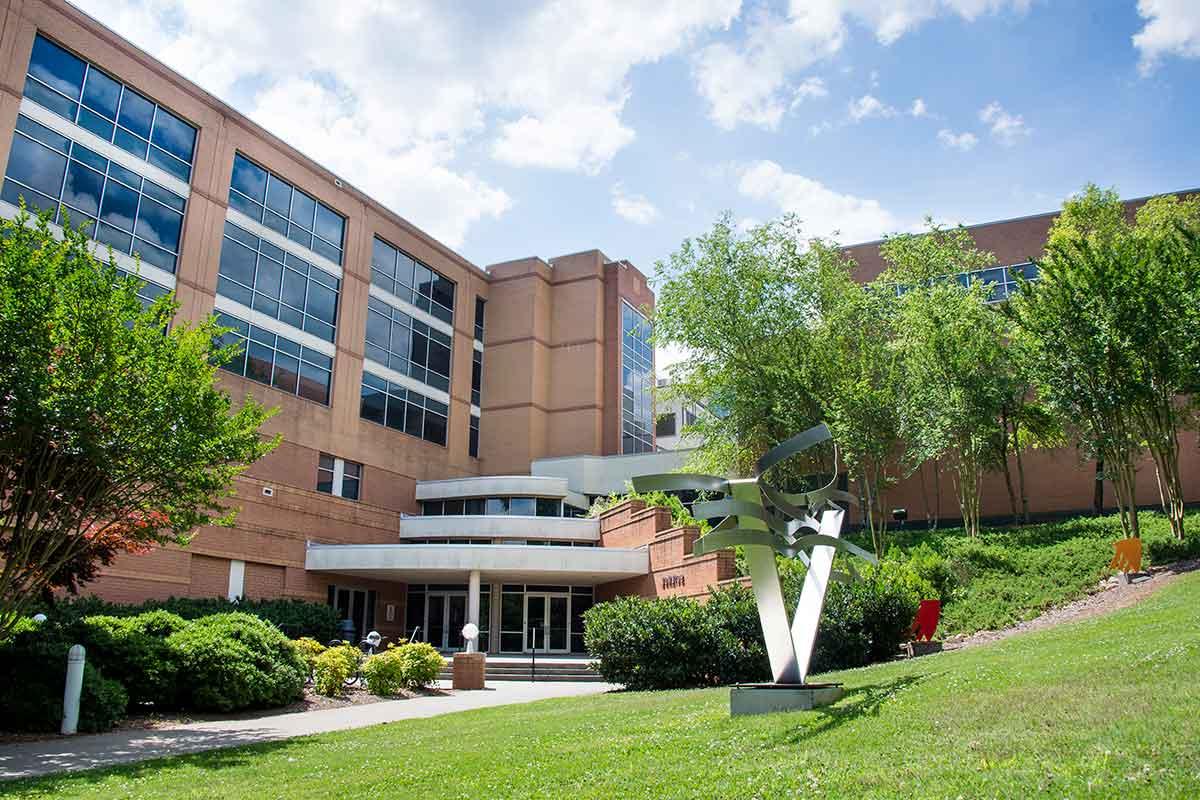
{"x": 954, "y": 361}
{"x": 1115, "y": 330}
{"x": 113, "y": 436}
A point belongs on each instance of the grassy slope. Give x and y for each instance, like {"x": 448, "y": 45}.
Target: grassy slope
{"x": 1099, "y": 709}
{"x": 1012, "y": 574}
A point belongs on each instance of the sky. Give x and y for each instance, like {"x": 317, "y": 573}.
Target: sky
{"x": 549, "y": 127}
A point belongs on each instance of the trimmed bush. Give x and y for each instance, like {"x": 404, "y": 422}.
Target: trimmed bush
{"x": 865, "y": 621}
{"x": 330, "y": 671}
{"x": 235, "y": 661}
{"x": 350, "y": 654}
{"x": 420, "y": 664}
{"x": 384, "y": 672}
{"x": 295, "y": 618}
{"x": 134, "y": 649}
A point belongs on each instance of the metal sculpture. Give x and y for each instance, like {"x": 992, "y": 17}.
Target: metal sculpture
{"x": 767, "y": 521}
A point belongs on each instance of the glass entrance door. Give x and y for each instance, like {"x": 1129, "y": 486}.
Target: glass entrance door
{"x": 547, "y": 623}
{"x": 445, "y": 615}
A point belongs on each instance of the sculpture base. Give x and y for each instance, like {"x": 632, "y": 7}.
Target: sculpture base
{"x": 767, "y": 698}
{"x": 469, "y": 670}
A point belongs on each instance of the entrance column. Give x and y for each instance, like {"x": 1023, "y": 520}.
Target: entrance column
{"x": 473, "y": 607}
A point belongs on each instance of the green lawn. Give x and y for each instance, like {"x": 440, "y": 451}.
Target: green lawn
{"x": 1105, "y": 708}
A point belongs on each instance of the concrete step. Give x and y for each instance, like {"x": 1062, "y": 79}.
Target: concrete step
{"x": 514, "y": 669}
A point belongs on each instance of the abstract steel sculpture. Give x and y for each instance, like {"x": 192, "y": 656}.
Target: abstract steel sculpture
{"x": 766, "y": 521}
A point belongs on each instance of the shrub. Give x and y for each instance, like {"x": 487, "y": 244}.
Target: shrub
{"x": 235, "y": 661}
{"x": 33, "y": 662}
{"x": 865, "y": 621}
{"x": 420, "y": 664}
{"x": 384, "y": 672}
{"x": 309, "y": 649}
{"x": 330, "y": 671}
{"x": 294, "y": 617}
{"x": 349, "y": 654}
{"x": 680, "y": 515}
{"x": 134, "y": 650}
{"x": 933, "y": 567}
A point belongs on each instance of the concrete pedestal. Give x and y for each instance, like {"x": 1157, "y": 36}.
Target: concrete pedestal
{"x": 469, "y": 670}
{"x": 766, "y": 698}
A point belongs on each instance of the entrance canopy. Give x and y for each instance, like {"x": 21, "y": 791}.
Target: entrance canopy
{"x": 447, "y": 563}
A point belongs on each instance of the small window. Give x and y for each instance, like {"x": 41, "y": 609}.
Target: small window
{"x": 665, "y": 425}
{"x": 689, "y": 417}
{"x": 338, "y": 477}
{"x": 548, "y": 508}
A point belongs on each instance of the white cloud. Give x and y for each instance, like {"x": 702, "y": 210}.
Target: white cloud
{"x": 823, "y": 211}
{"x": 1008, "y": 129}
{"x": 749, "y": 82}
{"x": 633, "y": 208}
{"x": 959, "y": 141}
{"x": 809, "y": 87}
{"x": 391, "y": 95}
{"x": 1172, "y": 28}
{"x": 918, "y": 108}
{"x": 869, "y": 106}
{"x": 821, "y": 127}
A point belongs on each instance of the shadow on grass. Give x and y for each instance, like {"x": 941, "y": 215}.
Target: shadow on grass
{"x": 859, "y": 702}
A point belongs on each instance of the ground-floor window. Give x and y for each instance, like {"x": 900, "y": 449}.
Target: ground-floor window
{"x": 356, "y": 606}
{"x": 548, "y": 619}
{"x": 437, "y": 613}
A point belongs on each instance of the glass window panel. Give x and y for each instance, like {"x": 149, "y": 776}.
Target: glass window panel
{"x": 373, "y": 405}
{"x": 101, "y": 93}
{"x": 287, "y": 372}
{"x": 258, "y": 362}
{"x": 303, "y": 209}
{"x": 279, "y": 195}
{"x": 270, "y": 275}
{"x": 322, "y": 302}
{"x": 249, "y": 178}
{"x": 159, "y": 225}
{"x": 496, "y": 506}
{"x": 548, "y": 508}
{"x": 131, "y": 143}
{"x": 294, "y": 285}
{"x": 50, "y": 99}
{"x": 414, "y": 417}
{"x": 521, "y": 507}
{"x": 125, "y": 176}
{"x": 317, "y": 358}
{"x": 292, "y": 316}
{"x": 329, "y": 251}
{"x": 245, "y": 206}
{"x": 350, "y": 488}
{"x": 329, "y": 225}
{"x": 14, "y": 193}
{"x": 56, "y": 67}
{"x": 275, "y": 222}
{"x": 423, "y": 280}
{"x": 300, "y": 236}
{"x": 314, "y": 383}
{"x": 383, "y": 257}
{"x": 174, "y": 135}
{"x": 405, "y": 267}
{"x": 97, "y": 124}
{"x": 237, "y": 262}
{"x": 119, "y": 207}
{"x": 435, "y": 428}
{"x": 395, "y": 412}
{"x": 160, "y": 158}
{"x": 377, "y": 328}
{"x": 419, "y": 351}
{"x": 266, "y": 305}
{"x": 234, "y": 291}
{"x": 137, "y": 113}
{"x": 439, "y": 358}
{"x": 36, "y": 166}
{"x": 153, "y": 255}
{"x": 443, "y": 291}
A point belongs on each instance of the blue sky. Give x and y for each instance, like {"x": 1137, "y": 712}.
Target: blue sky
{"x": 561, "y": 126}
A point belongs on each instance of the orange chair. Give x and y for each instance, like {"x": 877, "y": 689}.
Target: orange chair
{"x": 1127, "y": 556}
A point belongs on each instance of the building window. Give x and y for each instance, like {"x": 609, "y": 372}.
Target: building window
{"x": 476, "y": 377}
{"x": 122, "y": 209}
{"x": 409, "y": 346}
{"x": 277, "y": 361}
{"x": 403, "y": 409}
{"x": 473, "y": 438}
{"x": 356, "y": 605}
{"x": 689, "y": 417}
{"x": 480, "y": 307}
{"x": 338, "y": 477}
{"x": 275, "y": 203}
{"x": 1003, "y": 282}
{"x": 75, "y": 90}
{"x": 399, "y": 274}
{"x": 147, "y": 292}
{"x": 665, "y": 425}
{"x": 261, "y": 276}
{"x": 637, "y": 382}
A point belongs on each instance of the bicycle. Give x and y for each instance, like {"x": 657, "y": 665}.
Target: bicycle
{"x": 369, "y": 646}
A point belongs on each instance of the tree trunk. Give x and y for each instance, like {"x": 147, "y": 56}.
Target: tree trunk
{"x": 1008, "y": 484}
{"x": 1098, "y": 490}
{"x": 1020, "y": 474}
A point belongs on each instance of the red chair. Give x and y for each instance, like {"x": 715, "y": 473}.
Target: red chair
{"x": 928, "y": 615}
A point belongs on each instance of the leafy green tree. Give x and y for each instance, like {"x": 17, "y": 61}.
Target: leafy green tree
{"x": 953, "y": 353}
{"x": 113, "y": 436}
{"x": 1114, "y": 323}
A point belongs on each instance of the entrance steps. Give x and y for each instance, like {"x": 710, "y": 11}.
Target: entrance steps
{"x": 522, "y": 668}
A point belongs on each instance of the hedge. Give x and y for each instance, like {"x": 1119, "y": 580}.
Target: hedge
{"x": 295, "y": 618}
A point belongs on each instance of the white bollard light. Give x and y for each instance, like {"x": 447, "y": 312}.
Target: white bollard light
{"x": 72, "y": 690}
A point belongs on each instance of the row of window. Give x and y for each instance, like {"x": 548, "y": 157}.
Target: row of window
{"x": 264, "y": 277}
{"x": 522, "y": 542}
{"x": 272, "y": 201}
{"x": 403, "y": 410}
{"x": 401, "y": 275}
{"x": 1002, "y": 282}
{"x": 86, "y": 96}
{"x": 407, "y": 345}
{"x": 132, "y": 214}
{"x": 667, "y": 424}
{"x": 277, "y": 361}
{"x": 637, "y": 382}
{"x": 501, "y": 506}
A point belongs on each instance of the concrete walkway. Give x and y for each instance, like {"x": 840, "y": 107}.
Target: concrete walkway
{"x": 62, "y": 754}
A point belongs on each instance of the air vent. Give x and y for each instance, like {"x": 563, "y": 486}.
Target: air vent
{"x": 268, "y": 491}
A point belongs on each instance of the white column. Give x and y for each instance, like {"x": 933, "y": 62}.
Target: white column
{"x": 473, "y": 606}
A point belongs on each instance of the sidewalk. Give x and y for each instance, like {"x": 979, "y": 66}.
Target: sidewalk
{"x": 62, "y": 754}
